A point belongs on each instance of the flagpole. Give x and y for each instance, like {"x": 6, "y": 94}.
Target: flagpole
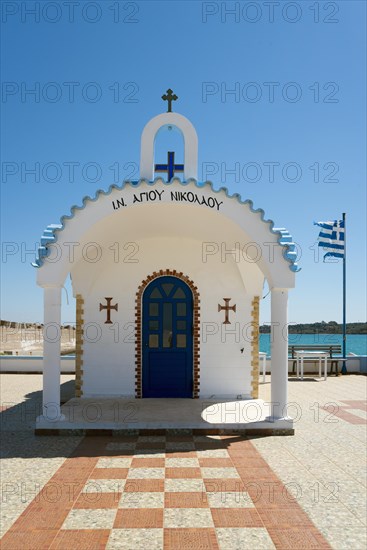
{"x": 344, "y": 367}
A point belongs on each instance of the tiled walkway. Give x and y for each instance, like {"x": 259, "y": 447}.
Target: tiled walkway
{"x": 164, "y": 491}
{"x": 64, "y": 492}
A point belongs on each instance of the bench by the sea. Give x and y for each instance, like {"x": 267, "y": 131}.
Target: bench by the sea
{"x": 334, "y": 352}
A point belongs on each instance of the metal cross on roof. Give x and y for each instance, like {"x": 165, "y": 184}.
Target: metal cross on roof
{"x": 170, "y": 167}
{"x": 169, "y": 96}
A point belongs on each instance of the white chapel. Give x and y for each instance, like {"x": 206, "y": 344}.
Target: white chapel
{"x": 168, "y": 275}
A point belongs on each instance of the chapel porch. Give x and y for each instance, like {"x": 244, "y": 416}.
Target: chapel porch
{"x": 117, "y": 416}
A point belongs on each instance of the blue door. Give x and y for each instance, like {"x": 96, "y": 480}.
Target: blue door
{"x": 167, "y": 339}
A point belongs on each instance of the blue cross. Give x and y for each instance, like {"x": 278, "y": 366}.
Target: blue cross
{"x": 170, "y": 167}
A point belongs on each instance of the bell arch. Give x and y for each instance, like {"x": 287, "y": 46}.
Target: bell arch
{"x": 184, "y": 126}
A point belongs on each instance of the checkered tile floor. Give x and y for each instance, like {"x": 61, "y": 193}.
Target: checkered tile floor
{"x": 164, "y": 492}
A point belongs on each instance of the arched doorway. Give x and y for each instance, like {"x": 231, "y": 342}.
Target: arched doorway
{"x": 167, "y": 339}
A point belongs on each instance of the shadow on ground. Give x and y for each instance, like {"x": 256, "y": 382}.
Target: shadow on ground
{"x": 17, "y": 423}
{"x": 18, "y": 420}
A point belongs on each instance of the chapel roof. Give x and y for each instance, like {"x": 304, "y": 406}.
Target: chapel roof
{"x": 50, "y": 234}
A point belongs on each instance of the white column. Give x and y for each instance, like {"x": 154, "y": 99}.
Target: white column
{"x": 51, "y": 354}
{"x": 279, "y": 353}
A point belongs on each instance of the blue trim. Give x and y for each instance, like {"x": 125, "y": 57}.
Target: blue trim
{"x": 284, "y": 237}
{"x": 170, "y": 168}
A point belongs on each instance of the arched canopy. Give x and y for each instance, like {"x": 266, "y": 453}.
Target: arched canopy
{"x": 143, "y": 209}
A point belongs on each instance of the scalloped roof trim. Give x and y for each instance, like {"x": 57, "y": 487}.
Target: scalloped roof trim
{"x": 50, "y": 234}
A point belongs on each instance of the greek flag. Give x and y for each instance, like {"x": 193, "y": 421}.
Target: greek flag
{"x": 331, "y": 238}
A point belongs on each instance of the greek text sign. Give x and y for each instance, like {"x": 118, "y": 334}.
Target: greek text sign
{"x": 154, "y": 195}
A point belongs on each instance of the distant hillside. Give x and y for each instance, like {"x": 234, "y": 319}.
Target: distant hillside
{"x": 332, "y": 327}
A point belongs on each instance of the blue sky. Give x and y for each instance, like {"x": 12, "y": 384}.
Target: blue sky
{"x": 298, "y": 85}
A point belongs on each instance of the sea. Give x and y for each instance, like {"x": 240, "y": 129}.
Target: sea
{"x": 356, "y": 343}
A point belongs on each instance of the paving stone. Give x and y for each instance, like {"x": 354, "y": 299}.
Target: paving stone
{"x": 144, "y": 485}
{"x": 237, "y": 538}
{"x": 180, "y": 446}
{"x": 178, "y": 473}
{"x": 139, "y": 518}
{"x": 148, "y": 453}
{"x": 137, "y": 539}
{"x": 110, "y": 473}
{"x": 187, "y": 517}
{"x": 227, "y": 473}
{"x": 114, "y": 463}
{"x": 236, "y": 517}
{"x": 97, "y": 500}
{"x": 184, "y": 485}
{"x": 152, "y": 438}
{"x": 146, "y": 473}
{"x": 90, "y": 519}
{"x": 182, "y": 462}
{"x": 294, "y": 538}
{"x": 121, "y": 445}
{"x": 80, "y": 539}
{"x": 186, "y": 500}
{"x": 104, "y": 486}
{"x": 148, "y": 463}
{"x": 230, "y": 500}
{"x": 192, "y": 491}
{"x": 212, "y": 453}
{"x": 189, "y": 539}
{"x": 142, "y": 500}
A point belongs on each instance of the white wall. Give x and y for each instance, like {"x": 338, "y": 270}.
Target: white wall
{"x": 109, "y": 363}
{"x": 33, "y": 363}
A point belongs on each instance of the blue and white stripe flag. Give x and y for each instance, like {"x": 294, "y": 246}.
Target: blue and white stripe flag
{"x": 331, "y": 238}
